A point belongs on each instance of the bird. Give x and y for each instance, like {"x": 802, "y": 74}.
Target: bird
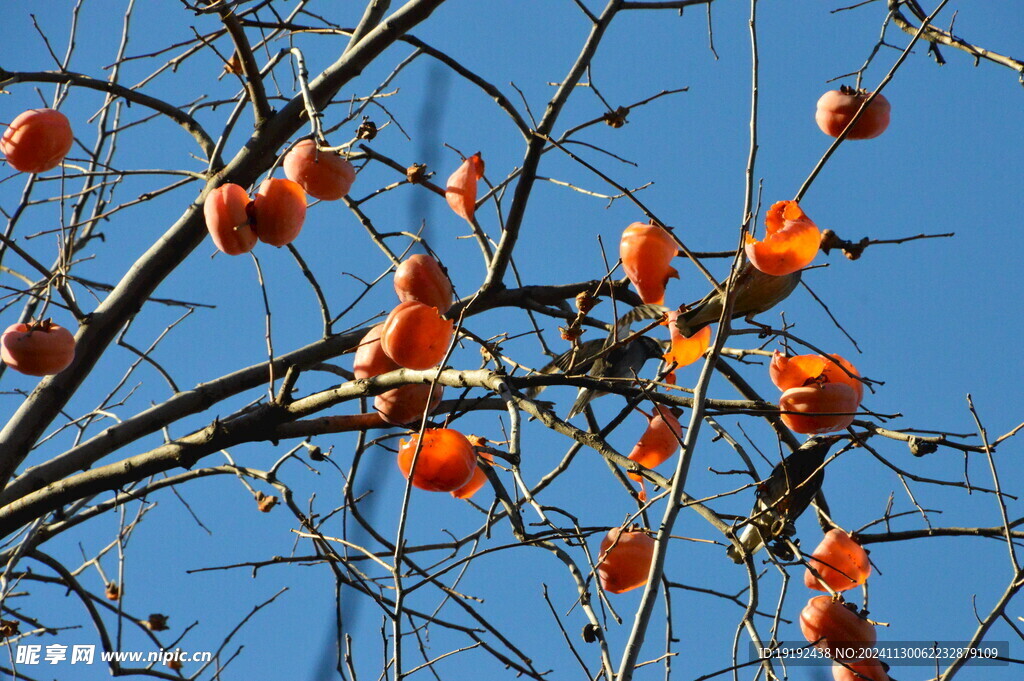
{"x": 609, "y": 357}
{"x": 785, "y": 495}
{"x": 755, "y": 292}
{"x": 623, "y": 361}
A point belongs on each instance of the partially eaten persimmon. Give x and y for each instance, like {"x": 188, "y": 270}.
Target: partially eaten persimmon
{"x": 659, "y": 441}
{"x": 818, "y": 407}
{"x": 446, "y": 460}
{"x": 685, "y": 350}
{"x": 460, "y": 191}
{"x": 791, "y": 241}
{"x": 646, "y": 251}
{"x": 798, "y": 370}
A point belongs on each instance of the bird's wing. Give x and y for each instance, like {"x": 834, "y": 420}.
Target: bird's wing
{"x": 785, "y": 495}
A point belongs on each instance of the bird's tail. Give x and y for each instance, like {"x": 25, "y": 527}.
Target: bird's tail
{"x": 751, "y": 541}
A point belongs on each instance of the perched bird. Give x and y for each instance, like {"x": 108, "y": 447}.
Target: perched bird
{"x": 621, "y": 362}
{"x": 608, "y": 357}
{"x": 786, "y": 493}
{"x": 756, "y": 292}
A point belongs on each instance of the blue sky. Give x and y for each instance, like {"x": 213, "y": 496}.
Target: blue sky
{"x": 934, "y": 319}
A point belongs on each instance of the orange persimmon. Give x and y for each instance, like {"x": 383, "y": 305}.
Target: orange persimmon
{"x": 834, "y": 628}
{"x": 869, "y": 669}
{"x": 325, "y": 175}
{"x": 416, "y": 336}
{"x": 37, "y": 349}
{"x": 278, "y": 211}
{"x": 836, "y": 108}
{"x": 227, "y": 219}
{"x": 659, "y": 441}
{"x": 685, "y": 350}
{"x": 406, "y": 403}
{"x": 421, "y": 278}
{"x": 646, "y": 251}
{"x": 840, "y": 561}
{"x": 793, "y": 372}
{"x": 461, "y": 188}
{"x": 370, "y": 359}
{"x": 791, "y": 241}
{"x": 37, "y": 140}
{"x": 819, "y": 407}
{"x": 478, "y": 480}
{"x": 445, "y": 463}
{"x": 625, "y": 560}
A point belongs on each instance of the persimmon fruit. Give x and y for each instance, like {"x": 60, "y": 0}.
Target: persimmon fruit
{"x": 798, "y": 370}
{"x": 840, "y": 561}
{"x": 835, "y": 628}
{"x": 625, "y": 560}
{"x": 370, "y": 358}
{"x": 227, "y": 219}
{"x": 420, "y": 277}
{"x": 685, "y": 350}
{"x": 478, "y": 480}
{"x": 791, "y": 241}
{"x": 819, "y": 407}
{"x": 416, "y": 336}
{"x": 37, "y": 140}
{"x": 38, "y": 348}
{"x": 659, "y": 441}
{"x": 460, "y": 190}
{"x": 407, "y": 403}
{"x": 278, "y": 211}
{"x": 445, "y": 463}
{"x": 646, "y": 251}
{"x": 325, "y": 175}
{"x": 836, "y": 108}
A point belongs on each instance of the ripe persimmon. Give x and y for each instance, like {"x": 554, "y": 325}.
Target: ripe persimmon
{"x": 325, "y": 175}
{"x": 445, "y": 463}
{"x": 685, "y": 350}
{"x": 37, "y": 140}
{"x": 406, "y": 404}
{"x": 478, "y": 480}
{"x": 278, "y": 211}
{"x": 791, "y": 241}
{"x": 840, "y": 562}
{"x": 646, "y": 251}
{"x": 819, "y": 407}
{"x": 793, "y": 372}
{"x": 836, "y": 629}
{"x": 625, "y": 560}
{"x": 868, "y": 669}
{"x": 416, "y": 336}
{"x": 836, "y": 108}
{"x": 659, "y": 441}
{"x": 370, "y": 359}
{"x": 460, "y": 190}
{"x": 227, "y": 219}
{"x": 37, "y": 349}
{"x": 421, "y": 278}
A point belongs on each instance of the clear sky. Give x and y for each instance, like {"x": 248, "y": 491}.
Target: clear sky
{"x": 934, "y": 320}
